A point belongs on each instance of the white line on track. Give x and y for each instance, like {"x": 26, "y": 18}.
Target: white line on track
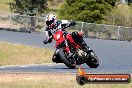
{"x": 45, "y": 64}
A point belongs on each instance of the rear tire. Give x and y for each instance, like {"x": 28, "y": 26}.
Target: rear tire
{"x": 94, "y": 63}
{"x": 92, "y": 60}
{"x": 64, "y": 59}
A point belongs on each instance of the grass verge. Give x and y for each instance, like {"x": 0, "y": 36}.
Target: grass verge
{"x": 20, "y": 54}
{"x": 49, "y": 80}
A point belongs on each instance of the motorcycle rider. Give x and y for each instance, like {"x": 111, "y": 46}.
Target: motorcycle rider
{"x": 53, "y": 25}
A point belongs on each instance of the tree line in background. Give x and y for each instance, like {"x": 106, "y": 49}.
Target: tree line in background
{"x": 91, "y": 11}
{"x": 31, "y": 8}
{"x": 120, "y": 15}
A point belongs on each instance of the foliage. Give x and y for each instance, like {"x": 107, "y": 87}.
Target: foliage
{"x": 29, "y": 7}
{"x": 121, "y": 15}
{"x": 85, "y": 10}
{"x": 112, "y": 2}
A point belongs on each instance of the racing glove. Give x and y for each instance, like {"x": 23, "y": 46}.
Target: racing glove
{"x": 45, "y": 41}
{"x": 72, "y": 23}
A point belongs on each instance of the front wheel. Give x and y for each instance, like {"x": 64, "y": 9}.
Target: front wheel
{"x": 65, "y": 59}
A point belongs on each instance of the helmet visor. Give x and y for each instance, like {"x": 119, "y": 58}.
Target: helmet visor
{"x": 48, "y": 23}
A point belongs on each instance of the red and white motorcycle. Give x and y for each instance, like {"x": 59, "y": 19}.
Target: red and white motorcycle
{"x": 81, "y": 55}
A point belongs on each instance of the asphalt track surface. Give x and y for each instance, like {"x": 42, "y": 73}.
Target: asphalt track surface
{"x": 114, "y": 56}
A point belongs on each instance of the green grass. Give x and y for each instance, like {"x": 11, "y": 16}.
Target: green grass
{"x": 3, "y": 55}
{"x": 19, "y": 54}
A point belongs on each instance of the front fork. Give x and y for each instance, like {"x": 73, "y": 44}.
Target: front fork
{"x": 56, "y": 57}
{"x": 67, "y": 47}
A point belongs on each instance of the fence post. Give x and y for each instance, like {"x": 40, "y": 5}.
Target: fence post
{"x": 10, "y": 19}
{"x": 118, "y": 33}
{"x": 82, "y": 26}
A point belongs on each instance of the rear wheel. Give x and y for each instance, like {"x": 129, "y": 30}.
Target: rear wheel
{"x": 65, "y": 59}
{"x": 92, "y": 60}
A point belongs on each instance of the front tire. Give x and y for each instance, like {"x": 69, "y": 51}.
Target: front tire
{"x": 64, "y": 59}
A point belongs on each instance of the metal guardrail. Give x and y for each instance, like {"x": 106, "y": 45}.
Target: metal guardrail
{"x": 91, "y": 30}
{"x": 102, "y": 31}
{"x": 22, "y": 22}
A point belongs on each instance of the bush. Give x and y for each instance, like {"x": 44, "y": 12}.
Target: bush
{"x": 121, "y": 15}
{"x": 92, "y": 11}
